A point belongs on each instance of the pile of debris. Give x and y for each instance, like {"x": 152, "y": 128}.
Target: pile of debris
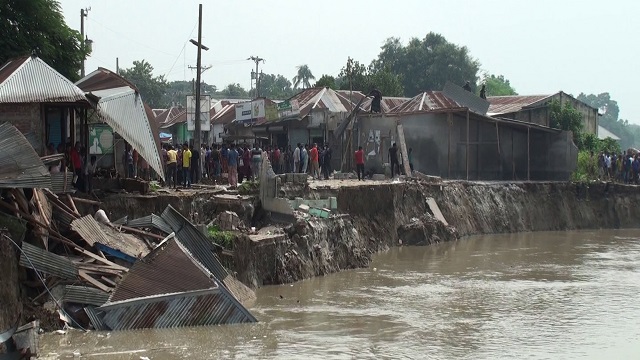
{"x": 89, "y": 273}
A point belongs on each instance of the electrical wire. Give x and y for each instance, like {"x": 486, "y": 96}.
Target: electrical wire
{"x": 43, "y": 282}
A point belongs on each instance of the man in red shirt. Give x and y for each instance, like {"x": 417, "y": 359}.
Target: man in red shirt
{"x": 76, "y": 163}
{"x": 315, "y": 163}
{"x": 275, "y": 164}
{"x": 360, "y": 163}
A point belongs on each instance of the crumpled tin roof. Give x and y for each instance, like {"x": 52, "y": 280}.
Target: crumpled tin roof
{"x": 20, "y": 165}
{"x": 47, "y": 262}
{"x": 29, "y": 79}
{"x": 214, "y": 306}
{"x": 121, "y": 107}
{"x": 150, "y": 221}
{"x": 84, "y": 295}
{"x": 170, "y": 268}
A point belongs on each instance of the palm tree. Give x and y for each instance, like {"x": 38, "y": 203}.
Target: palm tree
{"x": 304, "y": 77}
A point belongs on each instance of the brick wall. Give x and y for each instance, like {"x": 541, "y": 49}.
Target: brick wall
{"x": 28, "y": 119}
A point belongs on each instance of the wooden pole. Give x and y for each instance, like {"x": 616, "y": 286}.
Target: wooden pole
{"x": 499, "y": 153}
{"x": 467, "y": 157}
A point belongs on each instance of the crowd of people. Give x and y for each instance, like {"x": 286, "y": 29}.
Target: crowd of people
{"x": 624, "y": 167}
{"x": 185, "y": 166}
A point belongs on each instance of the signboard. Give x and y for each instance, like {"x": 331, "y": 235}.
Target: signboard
{"x": 271, "y": 112}
{"x": 288, "y": 108}
{"x": 100, "y": 139}
{"x": 205, "y": 106}
{"x": 250, "y": 111}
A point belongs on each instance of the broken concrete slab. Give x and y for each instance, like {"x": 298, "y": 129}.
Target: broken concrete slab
{"x": 304, "y": 208}
{"x": 435, "y": 210}
{"x": 228, "y": 221}
{"x": 300, "y": 178}
{"x": 378, "y": 177}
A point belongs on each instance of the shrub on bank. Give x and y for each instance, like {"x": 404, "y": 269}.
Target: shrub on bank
{"x": 587, "y": 169}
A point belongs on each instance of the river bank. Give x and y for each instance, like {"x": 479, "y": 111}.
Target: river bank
{"x": 373, "y": 216}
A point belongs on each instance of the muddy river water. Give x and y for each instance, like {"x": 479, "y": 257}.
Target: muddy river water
{"x": 558, "y": 295}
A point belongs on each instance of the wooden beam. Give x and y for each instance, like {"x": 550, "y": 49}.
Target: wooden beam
{"x": 450, "y": 122}
{"x": 83, "y": 274}
{"x": 140, "y": 232}
{"x": 403, "y": 150}
{"x": 73, "y": 205}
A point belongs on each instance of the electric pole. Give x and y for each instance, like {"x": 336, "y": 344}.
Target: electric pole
{"x": 83, "y": 14}
{"x": 197, "y": 132}
{"x": 257, "y": 60}
{"x": 349, "y": 69}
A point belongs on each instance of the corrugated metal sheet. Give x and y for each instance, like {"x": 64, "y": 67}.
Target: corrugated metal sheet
{"x": 178, "y": 118}
{"x": 428, "y": 100}
{"x": 465, "y": 98}
{"x": 195, "y": 242}
{"x": 47, "y": 262}
{"x": 84, "y": 295}
{"x": 510, "y": 104}
{"x": 387, "y": 104}
{"x": 94, "y": 232}
{"x": 226, "y": 115}
{"x": 122, "y": 108}
{"x": 168, "y": 269}
{"x": 58, "y": 183}
{"x": 151, "y": 221}
{"x": 95, "y": 317}
{"x": 31, "y": 80}
{"x": 20, "y": 165}
{"x": 604, "y": 133}
{"x": 195, "y": 308}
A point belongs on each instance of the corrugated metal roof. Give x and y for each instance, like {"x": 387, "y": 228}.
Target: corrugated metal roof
{"x": 510, "y": 104}
{"x": 428, "y": 100}
{"x": 95, "y": 317}
{"x": 178, "y": 118}
{"x": 387, "y": 104}
{"x": 195, "y": 242}
{"x": 30, "y": 80}
{"x": 47, "y": 262}
{"x": 322, "y": 98}
{"x": 196, "y": 308}
{"x": 168, "y": 269}
{"x": 225, "y": 115}
{"x": 84, "y": 295}
{"x": 20, "y": 165}
{"x": 167, "y": 114}
{"x": 150, "y": 221}
{"x": 604, "y": 133}
{"x": 58, "y": 183}
{"x": 121, "y": 107}
{"x": 94, "y": 232}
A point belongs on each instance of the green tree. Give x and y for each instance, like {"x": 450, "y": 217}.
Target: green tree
{"x": 38, "y": 26}
{"x": 152, "y": 89}
{"x": 234, "y": 91}
{"x": 326, "y": 81}
{"x": 275, "y": 86}
{"x": 498, "y": 86}
{"x": 365, "y": 78}
{"x": 427, "y": 64}
{"x": 609, "y": 109}
{"x": 303, "y": 77}
{"x": 565, "y": 117}
{"x": 177, "y": 92}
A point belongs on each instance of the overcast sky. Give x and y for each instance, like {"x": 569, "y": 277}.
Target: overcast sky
{"x": 540, "y": 46}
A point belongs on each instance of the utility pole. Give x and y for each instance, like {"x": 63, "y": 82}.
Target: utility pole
{"x": 83, "y": 14}
{"x": 117, "y": 66}
{"x": 202, "y": 70}
{"x": 257, "y": 60}
{"x": 197, "y": 132}
{"x": 349, "y": 69}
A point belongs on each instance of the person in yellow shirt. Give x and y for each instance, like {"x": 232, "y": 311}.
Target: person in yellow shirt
{"x": 186, "y": 165}
{"x": 172, "y": 167}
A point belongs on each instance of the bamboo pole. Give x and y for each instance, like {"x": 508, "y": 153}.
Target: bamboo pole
{"x": 467, "y": 157}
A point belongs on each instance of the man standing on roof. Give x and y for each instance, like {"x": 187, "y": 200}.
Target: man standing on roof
{"x": 467, "y": 86}
{"x": 377, "y": 99}
{"x": 186, "y": 165}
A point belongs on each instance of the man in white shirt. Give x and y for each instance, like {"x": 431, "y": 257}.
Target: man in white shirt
{"x": 296, "y": 159}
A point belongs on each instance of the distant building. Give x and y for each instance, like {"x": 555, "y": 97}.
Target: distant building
{"x": 535, "y": 109}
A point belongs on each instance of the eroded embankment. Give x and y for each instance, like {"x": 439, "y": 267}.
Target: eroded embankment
{"x": 378, "y": 216}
